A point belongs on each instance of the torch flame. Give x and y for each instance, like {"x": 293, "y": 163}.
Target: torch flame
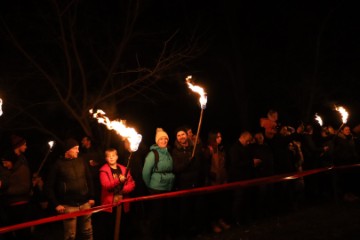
{"x": 343, "y": 112}
{"x": 51, "y": 144}
{"x": 1, "y": 112}
{"x": 199, "y": 90}
{"x": 318, "y": 118}
{"x": 120, "y": 128}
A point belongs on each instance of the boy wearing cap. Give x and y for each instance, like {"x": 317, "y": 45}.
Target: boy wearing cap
{"x": 70, "y": 189}
{"x": 15, "y": 189}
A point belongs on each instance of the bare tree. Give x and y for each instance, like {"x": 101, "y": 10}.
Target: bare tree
{"x": 85, "y": 56}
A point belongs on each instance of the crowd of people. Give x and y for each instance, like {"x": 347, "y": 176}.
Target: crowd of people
{"x": 86, "y": 176}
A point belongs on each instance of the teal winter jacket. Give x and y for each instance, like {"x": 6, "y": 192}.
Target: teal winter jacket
{"x": 161, "y": 177}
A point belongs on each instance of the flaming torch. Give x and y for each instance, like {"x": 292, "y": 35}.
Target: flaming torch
{"x": 134, "y": 139}
{"x": 51, "y": 144}
{"x": 203, "y": 101}
{"x": 1, "y": 112}
{"x": 120, "y": 128}
{"x": 318, "y": 119}
{"x": 344, "y": 115}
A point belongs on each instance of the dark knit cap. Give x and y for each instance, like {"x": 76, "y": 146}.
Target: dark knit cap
{"x": 17, "y": 141}
{"x": 70, "y": 143}
{"x": 182, "y": 128}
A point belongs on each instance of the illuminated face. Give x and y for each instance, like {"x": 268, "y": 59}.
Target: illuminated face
{"x": 111, "y": 157}
{"x": 162, "y": 142}
{"x": 346, "y": 131}
{"x": 259, "y": 138}
{"x": 7, "y": 164}
{"x": 73, "y": 152}
{"x": 181, "y": 137}
{"x": 190, "y": 133}
{"x": 85, "y": 142}
{"x": 23, "y": 148}
{"x": 218, "y": 138}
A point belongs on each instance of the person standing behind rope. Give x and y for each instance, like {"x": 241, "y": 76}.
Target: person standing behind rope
{"x": 218, "y": 201}
{"x": 190, "y": 172}
{"x": 116, "y": 184}
{"x": 15, "y": 194}
{"x": 159, "y": 178}
{"x": 69, "y": 188}
{"x": 242, "y": 167}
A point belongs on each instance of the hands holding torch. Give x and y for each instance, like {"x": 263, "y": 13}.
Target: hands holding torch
{"x": 51, "y": 144}
{"x": 203, "y": 101}
{"x": 134, "y": 139}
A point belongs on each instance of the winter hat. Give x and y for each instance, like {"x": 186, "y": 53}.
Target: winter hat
{"x": 180, "y": 129}
{"x": 17, "y": 141}
{"x": 70, "y": 143}
{"x": 160, "y": 133}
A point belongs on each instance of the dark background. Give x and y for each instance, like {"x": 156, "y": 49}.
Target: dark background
{"x": 297, "y": 57}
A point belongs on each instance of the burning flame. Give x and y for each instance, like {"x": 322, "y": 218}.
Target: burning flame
{"x": 51, "y": 144}
{"x": 1, "y": 112}
{"x": 199, "y": 90}
{"x": 318, "y": 118}
{"x": 120, "y": 128}
{"x": 343, "y": 112}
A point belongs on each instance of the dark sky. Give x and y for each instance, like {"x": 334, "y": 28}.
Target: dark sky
{"x": 261, "y": 55}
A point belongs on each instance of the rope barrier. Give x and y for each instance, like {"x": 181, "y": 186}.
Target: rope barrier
{"x": 200, "y": 190}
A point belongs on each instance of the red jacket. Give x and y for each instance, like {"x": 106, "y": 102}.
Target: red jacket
{"x": 108, "y": 183}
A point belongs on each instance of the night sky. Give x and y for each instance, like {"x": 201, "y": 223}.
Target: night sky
{"x": 296, "y": 57}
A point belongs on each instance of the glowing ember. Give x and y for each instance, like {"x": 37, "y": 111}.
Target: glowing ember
{"x": 199, "y": 90}
{"x": 343, "y": 112}
{"x": 120, "y": 128}
{"x": 318, "y": 118}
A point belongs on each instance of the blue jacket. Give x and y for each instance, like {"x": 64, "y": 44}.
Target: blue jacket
{"x": 161, "y": 178}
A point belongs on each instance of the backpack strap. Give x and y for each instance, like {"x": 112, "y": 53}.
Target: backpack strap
{"x": 156, "y": 153}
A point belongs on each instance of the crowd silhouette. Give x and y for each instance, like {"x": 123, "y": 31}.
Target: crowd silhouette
{"x": 176, "y": 162}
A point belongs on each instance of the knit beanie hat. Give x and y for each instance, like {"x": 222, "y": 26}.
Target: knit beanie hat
{"x": 179, "y": 129}
{"x": 70, "y": 143}
{"x": 17, "y": 141}
{"x": 160, "y": 133}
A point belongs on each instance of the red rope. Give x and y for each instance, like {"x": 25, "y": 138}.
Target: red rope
{"x": 201, "y": 190}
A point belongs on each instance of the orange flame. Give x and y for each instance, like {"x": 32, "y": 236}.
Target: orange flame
{"x": 199, "y": 90}
{"x": 120, "y": 128}
{"x": 343, "y": 112}
{"x": 318, "y": 118}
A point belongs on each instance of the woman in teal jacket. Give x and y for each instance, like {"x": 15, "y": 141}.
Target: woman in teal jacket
{"x": 158, "y": 167}
{"x": 159, "y": 178}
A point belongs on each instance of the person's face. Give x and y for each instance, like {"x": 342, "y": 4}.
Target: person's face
{"x": 346, "y": 131}
{"x": 162, "y": 142}
{"x": 259, "y": 138}
{"x": 218, "y": 138}
{"x": 246, "y": 139}
{"x": 181, "y": 137}
{"x": 189, "y": 133}
{"x": 7, "y": 164}
{"x": 85, "y": 142}
{"x": 23, "y": 148}
{"x": 111, "y": 157}
{"x": 73, "y": 152}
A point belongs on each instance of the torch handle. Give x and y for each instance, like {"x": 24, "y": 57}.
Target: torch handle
{"x": 197, "y": 133}
{"x": 42, "y": 163}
